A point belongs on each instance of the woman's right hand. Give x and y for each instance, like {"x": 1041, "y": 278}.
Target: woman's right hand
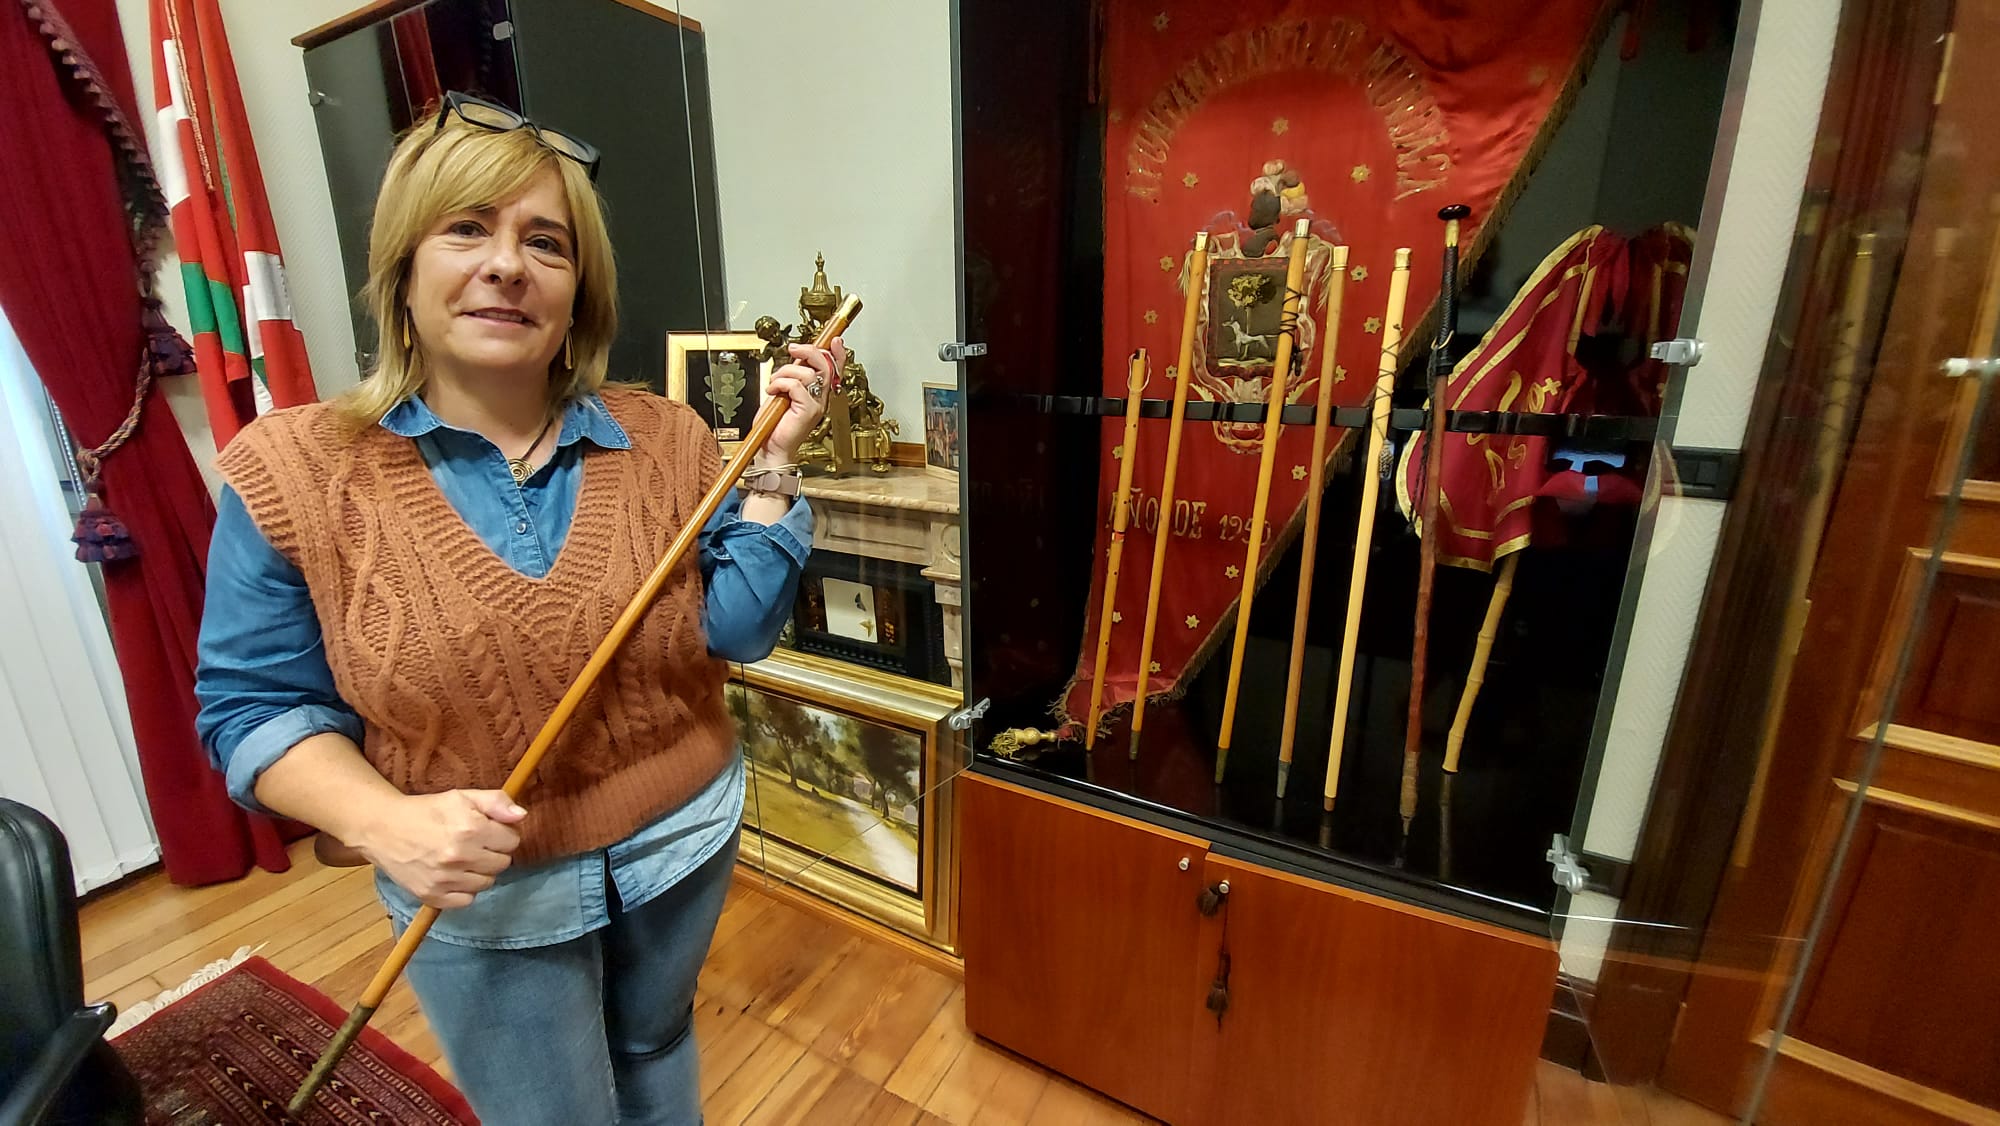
{"x": 444, "y": 848}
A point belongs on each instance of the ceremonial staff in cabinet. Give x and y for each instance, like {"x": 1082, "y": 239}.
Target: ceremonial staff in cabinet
{"x": 524, "y": 771}
{"x": 1413, "y": 734}
{"x": 1315, "y": 486}
{"x": 1121, "y": 514}
{"x": 1281, "y": 362}
{"x": 1364, "y": 529}
{"x": 1184, "y": 366}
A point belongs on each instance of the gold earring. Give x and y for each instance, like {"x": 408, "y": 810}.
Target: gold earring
{"x": 406, "y": 334}
{"x": 569, "y": 354}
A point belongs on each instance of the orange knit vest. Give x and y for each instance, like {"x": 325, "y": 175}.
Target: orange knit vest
{"x": 453, "y": 659}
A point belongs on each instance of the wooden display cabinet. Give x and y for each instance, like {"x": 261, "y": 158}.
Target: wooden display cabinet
{"x": 1087, "y": 949}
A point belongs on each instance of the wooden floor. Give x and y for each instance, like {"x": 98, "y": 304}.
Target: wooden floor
{"x": 801, "y": 1018}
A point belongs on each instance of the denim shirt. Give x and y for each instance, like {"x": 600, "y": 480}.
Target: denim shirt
{"x": 264, "y": 684}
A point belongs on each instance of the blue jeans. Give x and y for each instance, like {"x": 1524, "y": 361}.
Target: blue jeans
{"x": 596, "y": 1030}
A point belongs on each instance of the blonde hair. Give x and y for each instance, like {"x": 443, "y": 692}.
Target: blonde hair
{"x": 435, "y": 172}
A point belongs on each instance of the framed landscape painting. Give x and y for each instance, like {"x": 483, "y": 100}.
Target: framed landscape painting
{"x": 847, "y": 768}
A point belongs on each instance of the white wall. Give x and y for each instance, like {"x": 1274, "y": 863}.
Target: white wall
{"x": 851, "y": 155}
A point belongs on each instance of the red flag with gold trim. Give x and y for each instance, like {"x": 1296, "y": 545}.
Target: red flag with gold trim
{"x": 248, "y": 351}
{"x": 1526, "y": 363}
{"x": 1361, "y": 116}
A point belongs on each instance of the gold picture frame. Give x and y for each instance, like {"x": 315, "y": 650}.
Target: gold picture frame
{"x": 804, "y": 820}
{"x": 726, "y": 392}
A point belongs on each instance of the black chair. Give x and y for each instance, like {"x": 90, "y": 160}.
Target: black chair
{"x": 55, "y": 1067}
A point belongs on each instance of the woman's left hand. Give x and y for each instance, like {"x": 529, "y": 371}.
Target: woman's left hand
{"x": 814, "y": 367}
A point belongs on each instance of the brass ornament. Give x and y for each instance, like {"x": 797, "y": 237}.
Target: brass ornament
{"x": 855, "y": 430}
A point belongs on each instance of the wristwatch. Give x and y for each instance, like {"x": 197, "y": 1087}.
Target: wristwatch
{"x": 778, "y": 480}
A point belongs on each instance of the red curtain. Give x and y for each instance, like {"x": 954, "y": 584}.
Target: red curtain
{"x": 69, "y": 283}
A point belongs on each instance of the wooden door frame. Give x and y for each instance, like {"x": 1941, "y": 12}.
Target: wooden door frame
{"x": 1706, "y": 775}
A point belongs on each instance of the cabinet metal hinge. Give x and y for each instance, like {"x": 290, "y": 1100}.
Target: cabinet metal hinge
{"x": 1566, "y": 868}
{"x": 963, "y": 718}
{"x": 1682, "y": 350}
{"x": 955, "y": 351}
{"x": 503, "y": 30}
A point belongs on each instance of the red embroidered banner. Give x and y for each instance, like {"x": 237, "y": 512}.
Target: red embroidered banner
{"x": 1362, "y": 117}
{"x": 1528, "y": 363}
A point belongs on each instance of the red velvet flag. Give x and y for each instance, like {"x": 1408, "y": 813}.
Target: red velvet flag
{"x": 1528, "y": 363}
{"x": 1363, "y": 117}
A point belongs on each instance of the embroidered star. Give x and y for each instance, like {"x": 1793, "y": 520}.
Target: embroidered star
{"x": 1117, "y": 451}
{"x": 1358, "y": 273}
{"x": 1280, "y": 125}
{"x": 1155, "y": 667}
{"x": 1340, "y": 373}
{"x": 1160, "y": 22}
{"x": 1116, "y": 617}
{"x": 1190, "y": 179}
{"x": 1152, "y": 316}
{"x": 1537, "y": 75}
{"x": 1372, "y": 325}
{"x": 1229, "y": 572}
{"x": 1192, "y": 621}
{"x": 1360, "y": 173}
{"x": 1171, "y": 371}
{"x": 1166, "y": 262}
{"x": 1298, "y": 472}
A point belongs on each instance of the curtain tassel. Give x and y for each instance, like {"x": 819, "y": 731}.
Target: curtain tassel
{"x": 166, "y": 352}
{"x": 100, "y": 536}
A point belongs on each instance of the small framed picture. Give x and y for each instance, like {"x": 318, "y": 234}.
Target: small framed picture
{"x": 722, "y": 376}
{"x": 941, "y": 424}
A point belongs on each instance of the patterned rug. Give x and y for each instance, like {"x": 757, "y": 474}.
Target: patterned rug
{"x": 233, "y": 1051}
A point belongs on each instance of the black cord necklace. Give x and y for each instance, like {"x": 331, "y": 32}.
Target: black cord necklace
{"x": 521, "y": 467}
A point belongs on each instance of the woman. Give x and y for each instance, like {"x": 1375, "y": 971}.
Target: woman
{"x": 402, "y": 584}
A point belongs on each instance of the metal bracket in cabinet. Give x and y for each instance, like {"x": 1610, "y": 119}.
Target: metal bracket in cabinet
{"x": 963, "y": 718}
{"x": 1684, "y": 351}
{"x": 955, "y": 351}
{"x": 1566, "y": 867}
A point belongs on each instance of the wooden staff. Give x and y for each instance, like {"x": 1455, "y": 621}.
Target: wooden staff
{"x": 1413, "y": 734}
{"x": 683, "y": 542}
{"x": 1190, "y": 316}
{"x": 1364, "y": 529}
{"x": 1315, "y": 486}
{"x": 1121, "y": 512}
{"x": 1503, "y": 585}
{"x": 1281, "y": 362}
